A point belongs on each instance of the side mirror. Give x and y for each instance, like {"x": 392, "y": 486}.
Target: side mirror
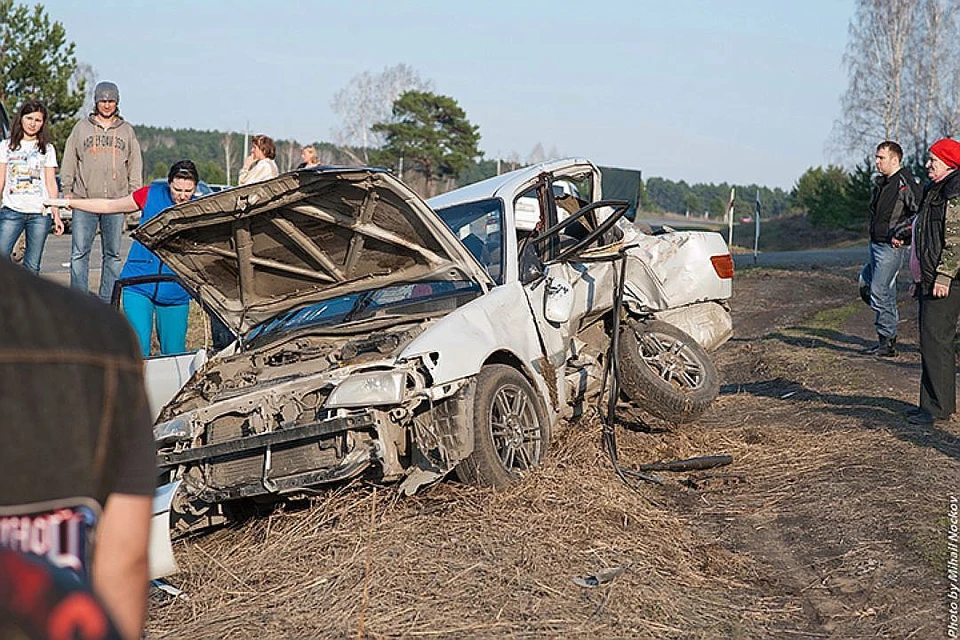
{"x": 531, "y": 266}
{"x": 558, "y": 301}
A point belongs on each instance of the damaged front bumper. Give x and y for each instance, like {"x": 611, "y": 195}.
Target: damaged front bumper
{"x": 408, "y": 429}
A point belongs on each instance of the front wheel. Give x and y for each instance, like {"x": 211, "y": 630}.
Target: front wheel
{"x": 511, "y": 433}
{"x": 665, "y": 371}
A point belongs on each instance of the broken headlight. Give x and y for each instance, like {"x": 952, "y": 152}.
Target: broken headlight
{"x": 368, "y": 389}
{"x": 171, "y": 431}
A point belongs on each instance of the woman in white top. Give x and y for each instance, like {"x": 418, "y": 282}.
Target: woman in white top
{"x": 28, "y": 176}
{"x": 259, "y": 164}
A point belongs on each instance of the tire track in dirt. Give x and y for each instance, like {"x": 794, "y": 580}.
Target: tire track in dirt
{"x": 842, "y": 499}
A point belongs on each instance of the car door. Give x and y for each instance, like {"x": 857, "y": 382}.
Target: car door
{"x": 165, "y": 375}
{"x": 566, "y": 295}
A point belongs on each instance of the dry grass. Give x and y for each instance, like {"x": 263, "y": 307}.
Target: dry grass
{"x": 828, "y": 524}
{"x": 457, "y": 562}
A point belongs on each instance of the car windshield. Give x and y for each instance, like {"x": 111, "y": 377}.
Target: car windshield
{"x": 404, "y": 298}
{"x": 479, "y": 226}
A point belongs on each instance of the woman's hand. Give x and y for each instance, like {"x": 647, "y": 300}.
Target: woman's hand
{"x": 941, "y": 290}
{"x": 249, "y": 161}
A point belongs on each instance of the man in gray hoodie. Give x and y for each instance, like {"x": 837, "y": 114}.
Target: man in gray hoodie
{"x": 101, "y": 160}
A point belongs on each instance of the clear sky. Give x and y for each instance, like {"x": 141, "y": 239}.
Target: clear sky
{"x": 742, "y": 91}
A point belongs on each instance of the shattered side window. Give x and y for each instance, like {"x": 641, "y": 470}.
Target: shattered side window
{"x": 479, "y": 226}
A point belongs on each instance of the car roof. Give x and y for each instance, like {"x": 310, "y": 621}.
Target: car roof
{"x": 499, "y": 185}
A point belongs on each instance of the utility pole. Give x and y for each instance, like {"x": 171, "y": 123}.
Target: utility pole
{"x": 227, "y": 144}
{"x": 730, "y": 217}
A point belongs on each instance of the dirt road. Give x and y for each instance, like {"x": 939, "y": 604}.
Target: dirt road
{"x": 832, "y": 522}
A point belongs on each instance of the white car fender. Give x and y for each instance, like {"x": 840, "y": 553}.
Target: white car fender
{"x": 458, "y": 344}
{"x": 160, "y": 552}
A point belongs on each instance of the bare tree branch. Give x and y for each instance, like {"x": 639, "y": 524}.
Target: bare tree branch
{"x": 367, "y": 100}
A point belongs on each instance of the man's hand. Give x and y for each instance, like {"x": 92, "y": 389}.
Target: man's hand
{"x": 941, "y": 290}
{"x": 58, "y": 227}
{"x": 896, "y": 243}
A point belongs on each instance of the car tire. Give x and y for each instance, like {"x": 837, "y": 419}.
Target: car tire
{"x": 511, "y": 433}
{"x": 665, "y": 371}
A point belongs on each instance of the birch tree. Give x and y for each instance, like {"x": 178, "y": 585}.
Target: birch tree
{"x": 876, "y": 47}
{"x": 904, "y": 71}
{"x": 368, "y": 99}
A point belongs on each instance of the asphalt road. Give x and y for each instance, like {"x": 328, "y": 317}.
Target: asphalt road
{"x": 55, "y": 263}
{"x": 56, "y": 257}
{"x": 56, "y": 253}
{"x": 806, "y": 259}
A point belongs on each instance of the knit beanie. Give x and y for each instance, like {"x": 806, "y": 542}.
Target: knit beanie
{"x": 947, "y": 150}
{"x": 106, "y": 91}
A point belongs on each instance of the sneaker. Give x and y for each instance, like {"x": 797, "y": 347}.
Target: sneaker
{"x": 872, "y": 350}
{"x": 887, "y": 348}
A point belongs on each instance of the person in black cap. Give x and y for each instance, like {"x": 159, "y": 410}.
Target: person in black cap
{"x": 101, "y": 160}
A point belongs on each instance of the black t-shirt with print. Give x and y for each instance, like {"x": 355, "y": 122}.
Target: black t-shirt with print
{"x": 74, "y": 417}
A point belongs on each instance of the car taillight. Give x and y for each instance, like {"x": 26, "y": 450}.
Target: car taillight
{"x": 723, "y": 265}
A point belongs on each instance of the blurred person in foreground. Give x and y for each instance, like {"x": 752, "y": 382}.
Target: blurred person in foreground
{"x": 77, "y": 467}
{"x": 935, "y": 263}
{"x": 896, "y": 196}
{"x": 100, "y": 160}
{"x": 164, "y": 304}
{"x": 259, "y": 165}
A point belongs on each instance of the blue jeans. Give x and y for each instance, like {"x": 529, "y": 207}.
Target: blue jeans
{"x": 884, "y": 267}
{"x": 171, "y": 321}
{"x": 12, "y": 224}
{"x": 84, "y": 229}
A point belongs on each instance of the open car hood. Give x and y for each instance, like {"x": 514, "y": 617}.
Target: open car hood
{"x": 255, "y": 251}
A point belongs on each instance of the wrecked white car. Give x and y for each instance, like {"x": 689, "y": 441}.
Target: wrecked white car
{"x": 380, "y": 336}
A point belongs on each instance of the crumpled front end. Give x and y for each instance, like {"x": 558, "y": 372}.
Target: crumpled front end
{"x": 310, "y": 412}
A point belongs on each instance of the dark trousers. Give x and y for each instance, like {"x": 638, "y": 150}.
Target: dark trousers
{"x": 938, "y": 329}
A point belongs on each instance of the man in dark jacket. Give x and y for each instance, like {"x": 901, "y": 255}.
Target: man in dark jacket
{"x": 936, "y": 246}
{"x": 895, "y": 199}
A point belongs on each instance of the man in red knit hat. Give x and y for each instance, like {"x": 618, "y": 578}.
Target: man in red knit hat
{"x": 936, "y": 247}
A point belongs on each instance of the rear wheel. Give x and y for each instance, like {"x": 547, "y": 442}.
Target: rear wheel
{"x": 665, "y": 371}
{"x": 511, "y": 434}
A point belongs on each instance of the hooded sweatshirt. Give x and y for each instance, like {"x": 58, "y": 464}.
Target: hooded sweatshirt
{"x": 101, "y": 161}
